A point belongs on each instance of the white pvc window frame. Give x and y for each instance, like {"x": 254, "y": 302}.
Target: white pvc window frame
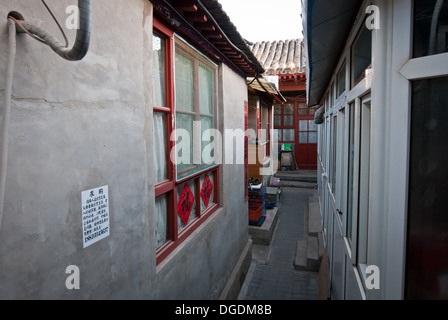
{"x": 404, "y": 70}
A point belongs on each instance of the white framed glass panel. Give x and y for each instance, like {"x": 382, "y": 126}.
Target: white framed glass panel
{"x": 351, "y": 172}
{"x": 427, "y": 241}
{"x": 340, "y": 81}
{"x": 364, "y": 179}
{"x": 361, "y": 55}
{"x": 430, "y": 27}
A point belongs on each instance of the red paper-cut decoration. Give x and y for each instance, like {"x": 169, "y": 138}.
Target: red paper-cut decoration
{"x": 206, "y": 190}
{"x": 185, "y": 204}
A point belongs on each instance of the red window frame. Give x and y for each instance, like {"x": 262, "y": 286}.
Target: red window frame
{"x": 171, "y": 187}
{"x": 282, "y": 125}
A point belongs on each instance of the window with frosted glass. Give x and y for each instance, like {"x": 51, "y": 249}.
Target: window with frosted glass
{"x": 312, "y": 137}
{"x": 288, "y": 135}
{"x": 430, "y": 27}
{"x": 307, "y": 131}
{"x": 303, "y": 137}
{"x": 195, "y": 95}
{"x": 288, "y": 115}
{"x": 302, "y": 109}
{"x": 279, "y": 134}
{"x": 277, "y": 115}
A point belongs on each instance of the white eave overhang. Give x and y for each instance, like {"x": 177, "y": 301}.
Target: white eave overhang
{"x": 262, "y": 84}
{"x": 326, "y": 25}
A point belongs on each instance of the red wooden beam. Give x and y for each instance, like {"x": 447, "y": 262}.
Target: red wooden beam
{"x": 234, "y": 56}
{"x": 180, "y": 24}
{"x": 219, "y": 42}
{"x": 225, "y": 48}
{"x": 185, "y": 5}
{"x": 195, "y": 17}
{"x": 204, "y": 27}
{"x": 213, "y": 35}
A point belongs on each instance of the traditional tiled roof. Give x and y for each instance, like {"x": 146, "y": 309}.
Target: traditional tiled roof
{"x": 280, "y": 57}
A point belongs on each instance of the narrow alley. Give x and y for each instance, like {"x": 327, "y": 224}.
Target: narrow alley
{"x": 272, "y": 274}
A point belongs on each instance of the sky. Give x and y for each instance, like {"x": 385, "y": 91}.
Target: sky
{"x": 263, "y": 20}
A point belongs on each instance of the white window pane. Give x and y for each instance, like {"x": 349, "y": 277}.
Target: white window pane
{"x": 207, "y": 157}
{"x": 288, "y": 120}
{"x": 361, "y": 55}
{"x": 288, "y": 108}
{"x": 184, "y": 149}
{"x": 303, "y": 137}
{"x": 312, "y": 135}
{"x": 195, "y": 101}
{"x": 288, "y": 134}
{"x": 183, "y": 85}
{"x": 341, "y": 81}
{"x": 160, "y": 147}
{"x": 303, "y": 125}
{"x": 277, "y": 121}
{"x": 158, "y": 49}
{"x": 161, "y": 210}
{"x": 205, "y": 90}
{"x": 277, "y": 109}
{"x": 279, "y": 132}
{"x": 430, "y": 27}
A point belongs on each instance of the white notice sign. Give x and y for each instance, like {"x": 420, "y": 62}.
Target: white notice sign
{"x": 95, "y": 215}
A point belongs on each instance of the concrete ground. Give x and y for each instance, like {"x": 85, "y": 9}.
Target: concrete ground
{"x": 271, "y": 275}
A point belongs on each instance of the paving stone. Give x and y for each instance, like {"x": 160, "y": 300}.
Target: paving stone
{"x": 274, "y": 277}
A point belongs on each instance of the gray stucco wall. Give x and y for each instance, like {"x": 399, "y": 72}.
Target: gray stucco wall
{"x": 80, "y": 125}
{"x": 211, "y": 253}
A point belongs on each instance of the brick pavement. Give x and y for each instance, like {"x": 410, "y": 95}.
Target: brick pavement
{"x": 272, "y": 275}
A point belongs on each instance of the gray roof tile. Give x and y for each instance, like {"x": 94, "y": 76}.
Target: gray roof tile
{"x": 280, "y": 57}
